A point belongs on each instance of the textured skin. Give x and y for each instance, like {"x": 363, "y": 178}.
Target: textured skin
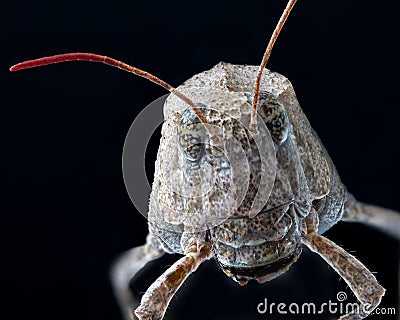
{"x": 360, "y": 280}
{"x": 244, "y": 241}
{"x": 165, "y": 286}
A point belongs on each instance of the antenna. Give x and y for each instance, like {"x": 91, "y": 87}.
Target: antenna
{"x": 80, "y": 56}
{"x": 267, "y": 53}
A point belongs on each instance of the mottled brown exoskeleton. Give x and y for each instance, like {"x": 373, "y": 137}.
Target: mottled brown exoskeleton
{"x": 240, "y": 177}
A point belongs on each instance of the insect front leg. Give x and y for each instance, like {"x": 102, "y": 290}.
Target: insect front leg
{"x": 157, "y": 297}
{"x": 383, "y": 219}
{"x": 126, "y": 267}
{"x": 360, "y": 280}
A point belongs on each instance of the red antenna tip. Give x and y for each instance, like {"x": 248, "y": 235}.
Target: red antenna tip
{"x": 14, "y": 68}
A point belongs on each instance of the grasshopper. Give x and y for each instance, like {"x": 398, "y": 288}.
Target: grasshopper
{"x": 240, "y": 177}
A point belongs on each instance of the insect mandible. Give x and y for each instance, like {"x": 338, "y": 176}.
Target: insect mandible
{"x": 240, "y": 177}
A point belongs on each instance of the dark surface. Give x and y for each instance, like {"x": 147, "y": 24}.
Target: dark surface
{"x": 65, "y": 210}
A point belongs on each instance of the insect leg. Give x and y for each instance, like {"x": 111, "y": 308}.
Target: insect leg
{"x": 126, "y": 267}
{"x": 157, "y": 297}
{"x": 386, "y": 220}
{"x": 360, "y": 280}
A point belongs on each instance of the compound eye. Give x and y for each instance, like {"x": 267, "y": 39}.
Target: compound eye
{"x": 191, "y": 134}
{"x": 273, "y": 112}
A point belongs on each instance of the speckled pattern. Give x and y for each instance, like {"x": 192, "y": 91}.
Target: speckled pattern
{"x": 157, "y": 297}
{"x": 251, "y": 200}
{"x": 361, "y": 281}
{"x": 273, "y": 113}
{"x": 303, "y": 171}
{"x": 191, "y": 134}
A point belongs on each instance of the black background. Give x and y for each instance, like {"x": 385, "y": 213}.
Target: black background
{"x": 65, "y": 210}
